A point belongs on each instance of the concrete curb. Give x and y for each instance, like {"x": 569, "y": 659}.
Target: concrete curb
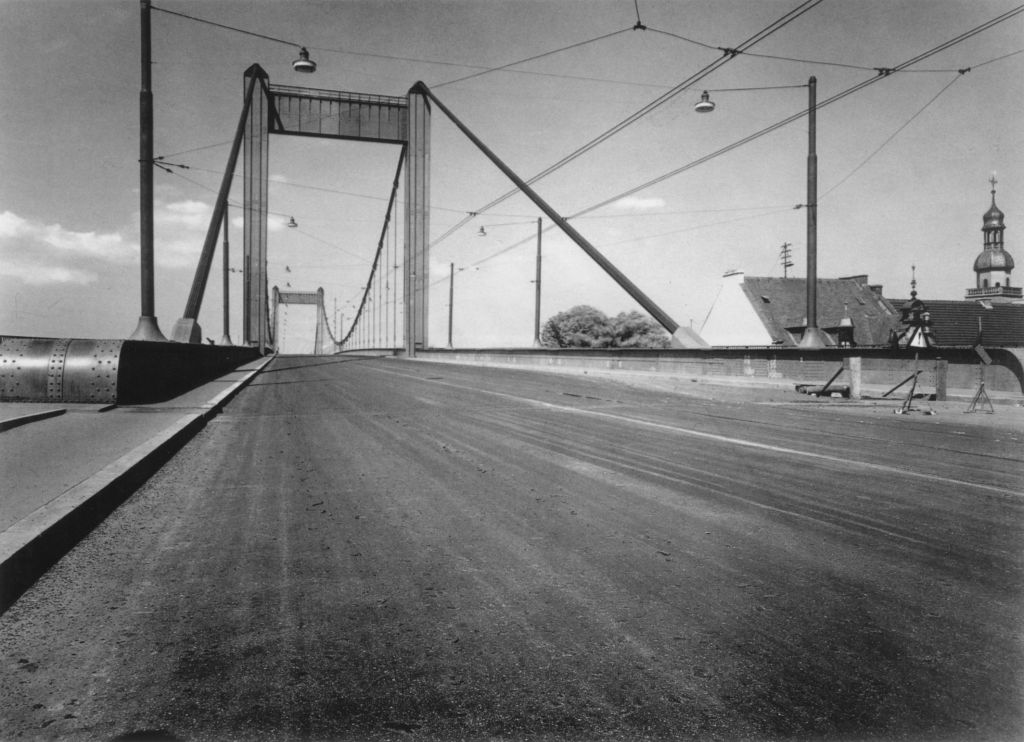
{"x": 15, "y": 422}
{"x": 35, "y": 543}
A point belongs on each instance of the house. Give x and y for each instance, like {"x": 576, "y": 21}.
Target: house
{"x": 991, "y": 314}
{"x": 764, "y": 311}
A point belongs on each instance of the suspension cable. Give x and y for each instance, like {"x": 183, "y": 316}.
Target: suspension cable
{"x": 380, "y": 243}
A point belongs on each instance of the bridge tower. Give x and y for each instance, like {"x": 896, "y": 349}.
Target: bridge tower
{"x": 330, "y": 114}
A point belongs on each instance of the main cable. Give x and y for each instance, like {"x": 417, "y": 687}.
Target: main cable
{"x": 380, "y": 243}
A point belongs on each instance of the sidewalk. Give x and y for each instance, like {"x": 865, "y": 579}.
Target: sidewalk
{"x": 43, "y": 459}
{"x": 65, "y": 466}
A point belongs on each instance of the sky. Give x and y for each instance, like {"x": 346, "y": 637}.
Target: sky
{"x": 903, "y": 164}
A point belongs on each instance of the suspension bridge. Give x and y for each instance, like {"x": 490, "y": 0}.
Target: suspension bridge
{"x": 299, "y": 533}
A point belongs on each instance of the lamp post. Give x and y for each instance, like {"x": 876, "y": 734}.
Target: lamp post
{"x": 536, "y": 302}
{"x": 147, "y": 328}
{"x": 813, "y": 337}
{"x": 226, "y": 339}
{"x": 451, "y": 300}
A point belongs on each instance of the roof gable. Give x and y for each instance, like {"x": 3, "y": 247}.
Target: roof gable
{"x": 956, "y": 323}
{"x": 781, "y": 303}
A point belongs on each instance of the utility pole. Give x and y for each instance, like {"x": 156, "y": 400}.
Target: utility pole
{"x": 536, "y": 304}
{"x": 813, "y": 337}
{"x": 147, "y": 328}
{"x": 226, "y": 340}
{"x": 451, "y": 300}
{"x": 785, "y": 256}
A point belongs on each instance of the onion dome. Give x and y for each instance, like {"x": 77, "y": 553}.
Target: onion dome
{"x": 993, "y": 218}
{"x": 989, "y": 260}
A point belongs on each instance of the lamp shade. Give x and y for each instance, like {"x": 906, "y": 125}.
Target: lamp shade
{"x": 304, "y": 63}
{"x": 705, "y": 105}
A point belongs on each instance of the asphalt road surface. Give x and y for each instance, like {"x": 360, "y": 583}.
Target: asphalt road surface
{"x": 380, "y": 549}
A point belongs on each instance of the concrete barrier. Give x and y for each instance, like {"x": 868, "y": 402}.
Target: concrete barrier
{"x": 957, "y": 368}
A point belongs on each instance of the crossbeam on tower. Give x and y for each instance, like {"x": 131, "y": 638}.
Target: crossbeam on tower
{"x": 336, "y": 114}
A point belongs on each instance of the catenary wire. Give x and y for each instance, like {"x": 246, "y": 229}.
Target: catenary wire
{"x": 795, "y": 117}
{"x": 533, "y": 58}
{"x": 227, "y": 27}
{"x": 653, "y": 105}
{"x": 583, "y": 213}
{"x": 890, "y": 138}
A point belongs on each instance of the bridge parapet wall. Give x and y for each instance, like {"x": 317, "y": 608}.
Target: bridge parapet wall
{"x": 109, "y": 371}
{"x": 781, "y": 366}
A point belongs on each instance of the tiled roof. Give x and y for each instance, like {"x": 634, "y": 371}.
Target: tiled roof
{"x": 956, "y": 323}
{"x": 781, "y": 303}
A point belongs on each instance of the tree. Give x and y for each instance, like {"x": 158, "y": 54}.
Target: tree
{"x": 580, "y": 327}
{"x": 586, "y": 327}
{"x": 637, "y": 330}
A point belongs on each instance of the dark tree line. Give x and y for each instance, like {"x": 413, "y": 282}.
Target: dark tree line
{"x": 586, "y": 327}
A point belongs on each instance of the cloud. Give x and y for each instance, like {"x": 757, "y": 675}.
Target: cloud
{"x": 38, "y": 253}
{"x": 23, "y": 237}
{"x": 191, "y": 215}
{"x": 41, "y": 275}
{"x": 636, "y": 203}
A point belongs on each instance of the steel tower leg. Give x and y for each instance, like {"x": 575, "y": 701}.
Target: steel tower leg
{"x": 255, "y": 163}
{"x": 417, "y": 224}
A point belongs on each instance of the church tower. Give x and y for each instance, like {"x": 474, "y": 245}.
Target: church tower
{"x": 993, "y": 265}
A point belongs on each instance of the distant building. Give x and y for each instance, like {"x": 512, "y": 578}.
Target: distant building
{"x": 764, "y": 311}
{"x": 760, "y": 310}
{"x": 969, "y": 323}
{"x": 993, "y": 265}
{"x": 992, "y": 314}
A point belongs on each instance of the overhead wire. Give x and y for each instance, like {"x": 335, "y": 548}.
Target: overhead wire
{"x": 227, "y": 27}
{"x": 585, "y": 212}
{"x": 801, "y": 114}
{"x": 896, "y": 133}
{"x": 533, "y": 58}
{"x": 324, "y": 189}
{"x": 643, "y": 111}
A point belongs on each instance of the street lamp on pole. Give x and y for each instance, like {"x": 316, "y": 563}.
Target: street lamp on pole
{"x": 147, "y": 328}
{"x": 813, "y": 337}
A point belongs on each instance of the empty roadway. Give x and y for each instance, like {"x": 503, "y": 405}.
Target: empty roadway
{"x": 376, "y": 549}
